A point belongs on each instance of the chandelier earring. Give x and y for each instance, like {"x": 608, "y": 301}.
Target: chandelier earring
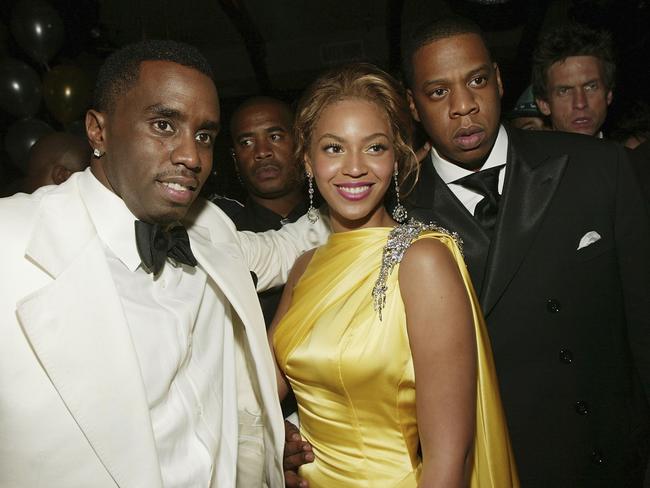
{"x": 399, "y": 213}
{"x": 312, "y": 212}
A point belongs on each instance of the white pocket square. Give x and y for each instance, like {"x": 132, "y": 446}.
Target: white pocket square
{"x": 588, "y": 239}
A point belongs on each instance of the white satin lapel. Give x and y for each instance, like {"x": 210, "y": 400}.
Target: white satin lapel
{"x": 224, "y": 262}
{"x": 77, "y": 330}
{"x": 61, "y": 231}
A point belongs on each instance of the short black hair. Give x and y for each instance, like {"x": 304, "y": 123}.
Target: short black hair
{"x": 262, "y": 100}
{"x": 120, "y": 71}
{"x": 429, "y": 32}
{"x": 569, "y": 40}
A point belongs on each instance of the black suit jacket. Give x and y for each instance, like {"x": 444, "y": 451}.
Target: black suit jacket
{"x": 640, "y": 158}
{"x": 570, "y": 328}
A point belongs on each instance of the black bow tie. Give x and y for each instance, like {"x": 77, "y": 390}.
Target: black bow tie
{"x": 155, "y": 244}
{"x": 486, "y": 183}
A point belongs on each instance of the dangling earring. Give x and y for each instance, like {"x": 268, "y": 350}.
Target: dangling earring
{"x": 97, "y": 153}
{"x": 312, "y": 213}
{"x": 399, "y": 212}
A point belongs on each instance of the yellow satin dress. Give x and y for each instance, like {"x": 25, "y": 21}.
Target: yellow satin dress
{"x": 353, "y": 376}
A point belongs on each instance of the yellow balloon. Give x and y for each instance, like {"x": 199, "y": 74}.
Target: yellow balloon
{"x": 67, "y": 92}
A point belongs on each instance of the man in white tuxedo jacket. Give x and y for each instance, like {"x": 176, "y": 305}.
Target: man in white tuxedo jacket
{"x": 116, "y": 373}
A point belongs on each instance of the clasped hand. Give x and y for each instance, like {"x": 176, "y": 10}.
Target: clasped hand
{"x": 296, "y": 453}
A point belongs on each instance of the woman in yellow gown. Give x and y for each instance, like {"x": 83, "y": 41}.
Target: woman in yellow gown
{"x": 379, "y": 333}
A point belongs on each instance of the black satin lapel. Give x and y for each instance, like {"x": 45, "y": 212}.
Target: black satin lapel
{"x": 433, "y": 201}
{"x": 528, "y": 191}
{"x": 422, "y": 194}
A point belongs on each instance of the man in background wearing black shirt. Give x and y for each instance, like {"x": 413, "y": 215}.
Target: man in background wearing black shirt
{"x": 261, "y": 131}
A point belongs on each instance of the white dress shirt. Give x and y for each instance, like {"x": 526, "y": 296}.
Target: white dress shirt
{"x": 450, "y": 172}
{"x": 181, "y": 328}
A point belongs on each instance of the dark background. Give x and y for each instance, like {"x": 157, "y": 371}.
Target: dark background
{"x": 277, "y": 47}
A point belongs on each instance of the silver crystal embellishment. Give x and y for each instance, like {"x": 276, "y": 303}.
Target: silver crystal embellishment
{"x": 399, "y": 240}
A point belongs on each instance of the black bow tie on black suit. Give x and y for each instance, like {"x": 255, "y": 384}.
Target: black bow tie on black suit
{"x": 486, "y": 183}
{"x": 155, "y": 244}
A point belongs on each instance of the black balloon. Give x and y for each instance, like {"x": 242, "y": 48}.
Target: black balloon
{"x": 38, "y": 29}
{"x": 21, "y": 136}
{"x": 20, "y": 88}
{"x": 4, "y": 35}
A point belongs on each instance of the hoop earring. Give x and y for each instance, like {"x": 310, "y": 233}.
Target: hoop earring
{"x": 312, "y": 213}
{"x": 399, "y": 213}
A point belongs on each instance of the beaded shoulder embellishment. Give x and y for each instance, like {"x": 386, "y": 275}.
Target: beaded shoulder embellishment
{"x": 399, "y": 240}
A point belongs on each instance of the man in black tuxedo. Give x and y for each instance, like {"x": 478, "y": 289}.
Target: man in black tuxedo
{"x": 556, "y": 239}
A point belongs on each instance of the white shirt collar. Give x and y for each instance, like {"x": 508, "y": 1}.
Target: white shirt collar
{"x": 113, "y": 220}
{"x": 450, "y": 172}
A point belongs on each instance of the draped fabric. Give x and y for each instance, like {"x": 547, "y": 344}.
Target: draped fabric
{"x": 353, "y": 374}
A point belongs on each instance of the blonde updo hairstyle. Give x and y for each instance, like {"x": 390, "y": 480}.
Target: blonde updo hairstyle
{"x": 360, "y": 81}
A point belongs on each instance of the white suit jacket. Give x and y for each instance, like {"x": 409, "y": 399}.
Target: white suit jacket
{"x": 73, "y": 411}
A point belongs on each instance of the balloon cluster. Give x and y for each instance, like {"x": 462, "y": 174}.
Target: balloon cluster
{"x": 65, "y": 89}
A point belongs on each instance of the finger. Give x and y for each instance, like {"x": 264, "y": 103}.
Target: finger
{"x": 421, "y": 153}
{"x": 295, "y": 447}
{"x": 293, "y": 462}
{"x": 291, "y": 432}
{"x": 292, "y": 480}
